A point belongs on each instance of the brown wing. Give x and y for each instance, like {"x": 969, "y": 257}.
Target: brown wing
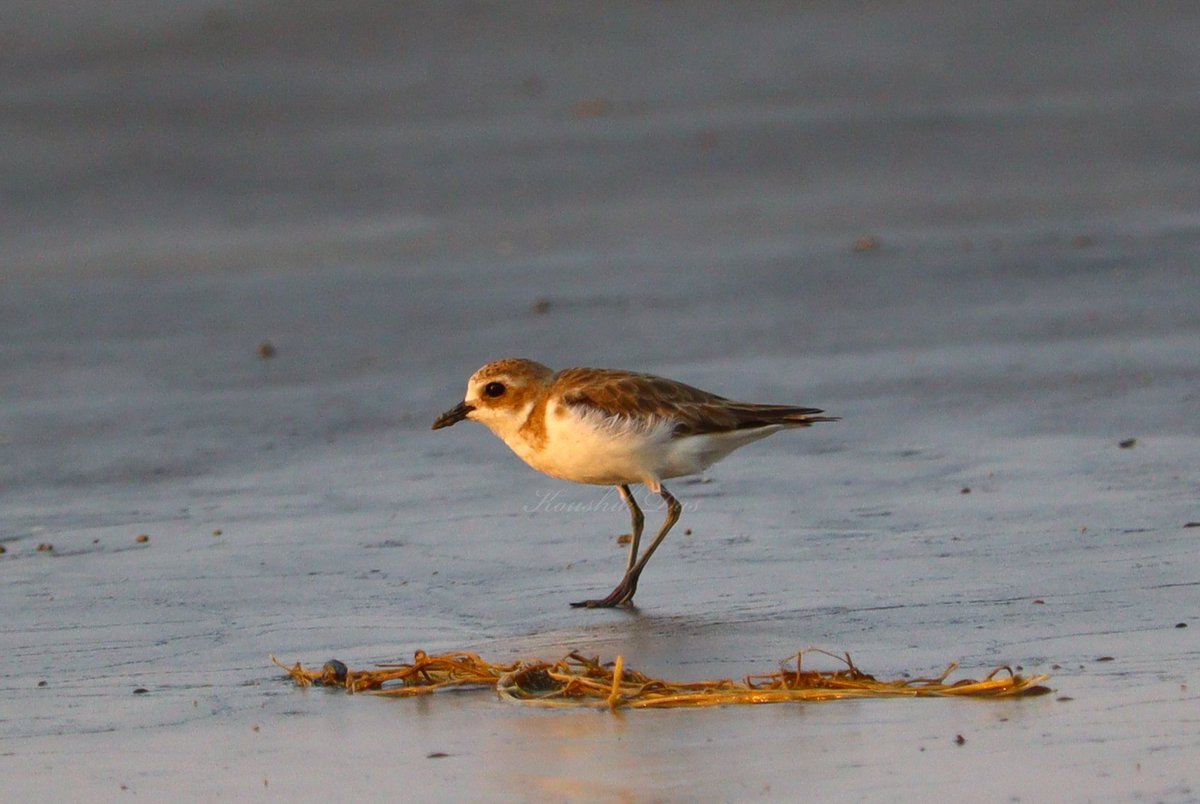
{"x": 748, "y": 415}
{"x": 625, "y": 394}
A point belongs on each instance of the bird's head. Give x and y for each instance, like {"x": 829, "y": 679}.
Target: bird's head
{"x": 500, "y": 395}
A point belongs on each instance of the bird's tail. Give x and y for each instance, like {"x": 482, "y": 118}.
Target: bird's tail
{"x": 763, "y": 415}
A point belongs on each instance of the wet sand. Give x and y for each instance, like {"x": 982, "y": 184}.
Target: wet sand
{"x": 971, "y": 233}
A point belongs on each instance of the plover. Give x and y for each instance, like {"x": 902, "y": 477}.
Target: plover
{"x": 616, "y": 428}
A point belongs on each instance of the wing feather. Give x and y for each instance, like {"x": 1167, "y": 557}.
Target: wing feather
{"x": 632, "y": 399}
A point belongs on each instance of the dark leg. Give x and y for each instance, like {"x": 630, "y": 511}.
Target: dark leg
{"x": 638, "y": 522}
{"x": 674, "y": 509}
{"x": 628, "y": 585}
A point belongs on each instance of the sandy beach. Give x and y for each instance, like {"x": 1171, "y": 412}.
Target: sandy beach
{"x": 249, "y": 253}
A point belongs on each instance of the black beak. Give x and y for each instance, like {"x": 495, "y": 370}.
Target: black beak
{"x": 453, "y": 416}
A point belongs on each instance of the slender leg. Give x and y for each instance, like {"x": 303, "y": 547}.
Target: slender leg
{"x": 628, "y": 586}
{"x": 674, "y": 509}
{"x": 638, "y": 522}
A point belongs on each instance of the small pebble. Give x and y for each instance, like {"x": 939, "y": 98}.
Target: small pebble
{"x": 3, "y": 549}
{"x": 142, "y": 538}
{"x": 625, "y": 538}
{"x": 437, "y": 755}
{"x": 140, "y": 691}
{"x": 45, "y": 548}
{"x": 866, "y": 243}
{"x": 266, "y": 350}
{"x": 1127, "y": 443}
{"x": 334, "y": 672}
{"x": 1181, "y": 625}
{"x": 217, "y": 532}
{"x": 41, "y": 683}
{"x": 965, "y": 490}
{"x": 1106, "y": 659}
{"x": 540, "y": 307}
{"x": 960, "y": 740}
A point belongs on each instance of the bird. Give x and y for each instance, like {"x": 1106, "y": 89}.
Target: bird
{"x": 617, "y": 428}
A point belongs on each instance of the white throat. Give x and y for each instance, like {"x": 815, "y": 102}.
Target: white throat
{"x": 507, "y": 424}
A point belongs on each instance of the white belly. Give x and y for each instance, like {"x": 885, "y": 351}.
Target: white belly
{"x": 590, "y": 449}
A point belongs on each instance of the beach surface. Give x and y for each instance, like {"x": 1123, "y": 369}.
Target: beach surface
{"x": 249, "y": 253}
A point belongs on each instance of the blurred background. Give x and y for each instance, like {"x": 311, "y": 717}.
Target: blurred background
{"x": 249, "y": 251}
{"x": 393, "y": 194}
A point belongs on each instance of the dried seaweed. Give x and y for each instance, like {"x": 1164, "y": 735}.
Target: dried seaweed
{"x": 580, "y": 681}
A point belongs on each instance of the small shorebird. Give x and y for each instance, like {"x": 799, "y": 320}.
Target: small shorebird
{"x": 609, "y": 427}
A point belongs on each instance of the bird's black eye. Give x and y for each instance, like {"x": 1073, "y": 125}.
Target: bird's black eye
{"x": 494, "y": 389}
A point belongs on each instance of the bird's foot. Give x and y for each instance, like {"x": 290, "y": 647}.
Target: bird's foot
{"x": 620, "y": 596}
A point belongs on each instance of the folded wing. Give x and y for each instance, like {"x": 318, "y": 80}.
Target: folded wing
{"x": 626, "y": 396}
